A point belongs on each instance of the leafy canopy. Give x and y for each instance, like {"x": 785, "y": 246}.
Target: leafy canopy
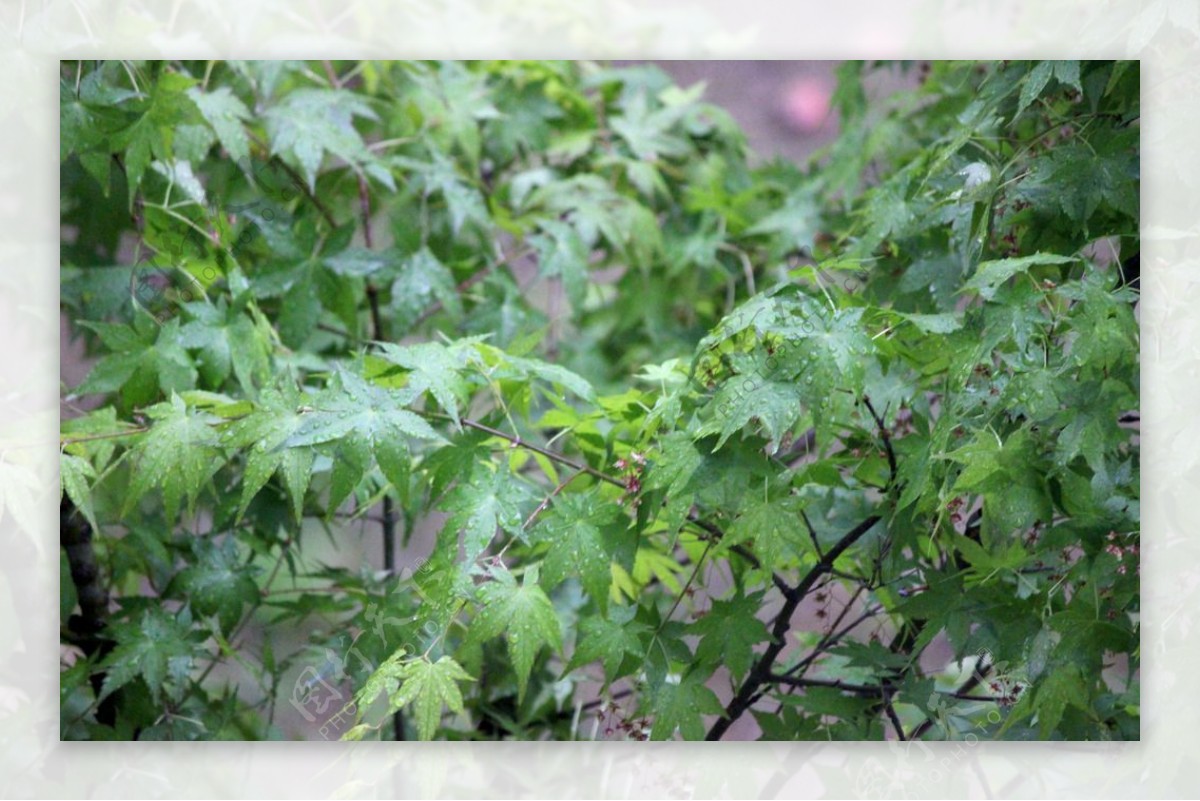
{"x": 655, "y": 438}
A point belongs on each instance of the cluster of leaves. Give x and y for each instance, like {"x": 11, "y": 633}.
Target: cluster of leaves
{"x": 662, "y": 403}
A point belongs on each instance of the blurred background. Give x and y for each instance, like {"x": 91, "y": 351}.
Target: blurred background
{"x": 783, "y": 106}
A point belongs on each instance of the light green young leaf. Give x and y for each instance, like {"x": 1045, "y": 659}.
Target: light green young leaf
{"x": 428, "y": 687}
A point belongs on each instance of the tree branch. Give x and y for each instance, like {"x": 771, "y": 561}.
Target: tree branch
{"x": 761, "y": 672}
{"x": 886, "y": 436}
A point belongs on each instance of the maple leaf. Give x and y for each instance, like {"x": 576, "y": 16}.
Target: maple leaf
{"x": 523, "y": 613}
{"x": 489, "y": 500}
{"x": 609, "y": 639}
{"x": 678, "y": 705}
{"x": 730, "y": 630}
{"x": 179, "y": 453}
{"x": 754, "y": 392}
{"x": 307, "y": 123}
{"x": 150, "y": 136}
{"x": 427, "y": 686}
{"x": 774, "y": 529}
{"x": 228, "y": 341}
{"x": 263, "y": 432}
{"x": 143, "y": 360}
{"x": 217, "y": 582}
{"x": 423, "y": 279}
{"x": 160, "y": 647}
{"x": 586, "y": 534}
{"x": 367, "y": 418}
{"x": 434, "y": 369}
{"x": 226, "y": 113}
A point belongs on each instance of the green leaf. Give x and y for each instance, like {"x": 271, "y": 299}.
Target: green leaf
{"x": 179, "y": 454}
{"x": 74, "y": 472}
{"x": 796, "y": 223}
{"x": 678, "y": 705}
{"x": 262, "y": 433}
{"x": 429, "y": 687}
{"x": 160, "y": 647}
{"x": 356, "y": 409}
{"x": 552, "y": 374}
{"x": 563, "y": 253}
{"x": 307, "y": 123}
{"x": 774, "y": 530}
{"x": 226, "y": 113}
{"x": 229, "y": 342}
{"x": 586, "y": 534}
{"x": 440, "y": 175}
{"x": 491, "y": 499}
{"x": 989, "y": 275}
{"x": 454, "y": 99}
{"x": 1035, "y": 82}
{"x": 672, "y": 472}
{"x": 729, "y": 631}
{"x": 1062, "y": 686}
{"x": 594, "y": 209}
{"x": 149, "y": 137}
{"x": 1067, "y": 73}
{"x": 609, "y": 640}
{"x": 434, "y": 369}
{"x": 755, "y": 392}
{"x": 1079, "y": 178}
{"x": 945, "y": 323}
{"x": 523, "y": 613}
{"x": 217, "y": 582}
{"x": 145, "y": 360}
{"x": 422, "y": 281}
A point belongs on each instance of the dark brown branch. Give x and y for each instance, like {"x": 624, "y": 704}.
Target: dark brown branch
{"x": 974, "y": 680}
{"x": 812, "y": 533}
{"x": 797, "y": 681}
{"x": 886, "y": 436}
{"x": 761, "y": 673}
{"x": 87, "y": 628}
{"x": 893, "y": 717}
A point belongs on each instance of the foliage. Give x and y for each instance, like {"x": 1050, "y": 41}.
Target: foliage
{"x": 705, "y": 441}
